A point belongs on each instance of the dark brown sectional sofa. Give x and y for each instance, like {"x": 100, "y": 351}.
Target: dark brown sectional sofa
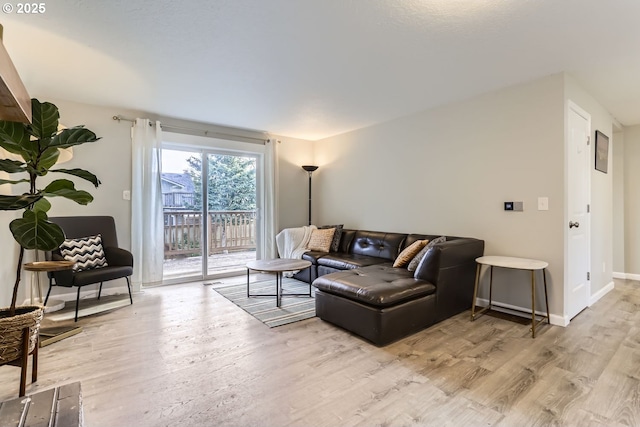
{"x": 359, "y": 290}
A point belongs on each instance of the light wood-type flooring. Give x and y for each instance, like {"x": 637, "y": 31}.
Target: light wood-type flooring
{"x": 184, "y": 356}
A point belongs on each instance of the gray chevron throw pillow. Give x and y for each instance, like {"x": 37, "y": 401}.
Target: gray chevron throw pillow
{"x": 87, "y": 252}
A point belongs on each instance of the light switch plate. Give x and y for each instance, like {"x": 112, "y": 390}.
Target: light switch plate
{"x": 126, "y": 195}
{"x": 543, "y": 203}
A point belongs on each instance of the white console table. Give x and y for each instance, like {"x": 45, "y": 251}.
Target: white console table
{"x": 531, "y": 265}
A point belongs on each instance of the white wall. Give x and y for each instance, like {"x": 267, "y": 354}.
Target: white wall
{"x": 618, "y": 203}
{"x": 293, "y": 194}
{"x": 449, "y": 170}
{"x": 632, "y": 201}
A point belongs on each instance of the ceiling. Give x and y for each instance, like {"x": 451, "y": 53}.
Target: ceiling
{"x": 315, "y": 68}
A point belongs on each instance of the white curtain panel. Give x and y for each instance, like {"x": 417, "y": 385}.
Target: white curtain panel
{"x": 147, "y": 223}
{"x": 269, "y": 249}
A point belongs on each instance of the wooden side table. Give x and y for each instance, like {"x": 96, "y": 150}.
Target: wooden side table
{"x": 47, "y": 267}
{"x": 532, "y": 265}
{"x": 51, "y": 334}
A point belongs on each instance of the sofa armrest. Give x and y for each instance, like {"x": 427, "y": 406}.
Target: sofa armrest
{"x": 449, "y": 254}
{"x": 451, "y": 267}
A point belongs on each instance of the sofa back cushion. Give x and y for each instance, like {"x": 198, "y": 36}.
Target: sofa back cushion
{"x": 346, "y": 240}
{"x": 378, "y": 244}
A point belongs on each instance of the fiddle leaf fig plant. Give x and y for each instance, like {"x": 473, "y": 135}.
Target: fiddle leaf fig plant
{"x": 38, "y": 145}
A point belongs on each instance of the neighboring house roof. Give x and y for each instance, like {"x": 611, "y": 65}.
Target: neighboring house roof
{"x": 183, "y": 181}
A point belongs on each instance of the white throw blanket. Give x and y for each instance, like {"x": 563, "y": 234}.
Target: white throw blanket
{"x": 292, "y": 242}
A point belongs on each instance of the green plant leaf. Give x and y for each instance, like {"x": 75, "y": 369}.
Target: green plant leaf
{"x": 48, "y": 158}
{"x": 73, "y": 136}
{"x": 34, "y": 231}
{"x": 13, "y": 136}
{"x": 31, "y": 150}
{"x": 45, "y": 119}
{"x": 12, "y": 166}
{"x": 14, "y": 203}
{"x": 8, "y": 181}
{"x": 81, "y": 173}
{"x": 65, "y": 188}
{"x": 42, "y": 205}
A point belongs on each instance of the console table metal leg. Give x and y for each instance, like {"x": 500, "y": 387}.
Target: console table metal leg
{"x": 247, "y": 283}
{"x": 475, "y": 293}
{"x": 490, "y": 287}
{"x": 546, "y": 298}
{"x": 533, "y": 304}
{"x": 475, "y": 313}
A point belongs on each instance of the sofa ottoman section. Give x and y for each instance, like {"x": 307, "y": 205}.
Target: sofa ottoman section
{"x": 380, "y": 325}
{"x": 378, "y": 286}
{"x": 379, "y": 303}
{"x": 383, "y": 304}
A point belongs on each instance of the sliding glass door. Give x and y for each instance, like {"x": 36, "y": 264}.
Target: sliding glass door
{"x": 183, "y": 214}
{"x": 211, "y": 224}
{"x": 231, "y": 211}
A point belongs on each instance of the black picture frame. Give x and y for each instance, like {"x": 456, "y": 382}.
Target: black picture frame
{"x": 602, "y": 152}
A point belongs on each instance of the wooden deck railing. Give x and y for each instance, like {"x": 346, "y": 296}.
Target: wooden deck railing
{"x": 228, "y": 231}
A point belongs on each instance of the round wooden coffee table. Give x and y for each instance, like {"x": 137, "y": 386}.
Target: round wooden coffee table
{"x": 277, "y": 266}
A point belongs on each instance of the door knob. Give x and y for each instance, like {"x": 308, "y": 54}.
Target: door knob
{"x": 574, "y": 224}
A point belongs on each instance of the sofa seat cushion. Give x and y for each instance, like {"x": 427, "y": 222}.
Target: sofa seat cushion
{"x": 88, "y": 277}
{"x": 313, "y": 256}
{"x": 379, "y": 286}
{"x": 344, "y": 261}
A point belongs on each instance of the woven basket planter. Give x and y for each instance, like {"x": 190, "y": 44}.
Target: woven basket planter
{"x": 28, "y": 316}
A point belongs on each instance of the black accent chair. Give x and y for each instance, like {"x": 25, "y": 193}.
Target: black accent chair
{"x": 120, "y": 260}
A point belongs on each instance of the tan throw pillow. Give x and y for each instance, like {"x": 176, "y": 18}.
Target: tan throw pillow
{"x": 409, "y": 252}
{"x": 321, "y": 239}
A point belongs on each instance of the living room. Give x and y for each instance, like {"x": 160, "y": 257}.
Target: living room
{"x": 441, "y": 168}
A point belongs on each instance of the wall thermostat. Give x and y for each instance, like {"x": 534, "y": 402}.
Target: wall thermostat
{"x": 514, "y": 206}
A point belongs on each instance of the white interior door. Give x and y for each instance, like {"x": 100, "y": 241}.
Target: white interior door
{"x": 578, "y": 290}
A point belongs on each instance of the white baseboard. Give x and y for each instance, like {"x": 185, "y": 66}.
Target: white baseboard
{"x": 88, "y": 311}
{"x": 602, "y": 292}
{"x": 521, "y": 311}
{"x": 89, "y": 293}
{"x": 627, "y": 276}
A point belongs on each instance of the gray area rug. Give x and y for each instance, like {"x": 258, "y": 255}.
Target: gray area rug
{"x": 263, "y": 308}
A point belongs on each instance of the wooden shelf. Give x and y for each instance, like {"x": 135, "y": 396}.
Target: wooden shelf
{"x": 15, "y": 102}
